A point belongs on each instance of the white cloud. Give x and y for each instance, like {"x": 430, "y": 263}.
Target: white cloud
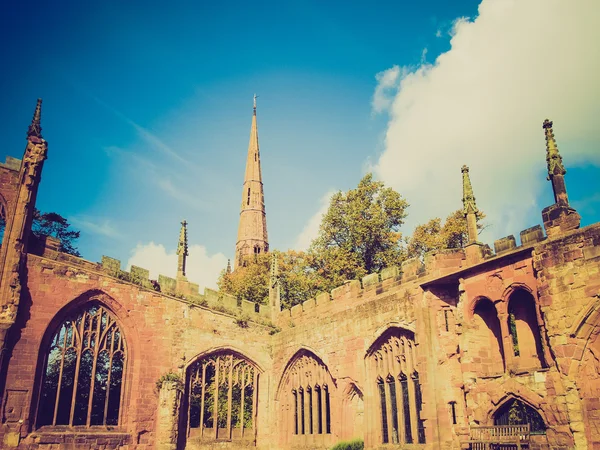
{"x": 99, "y": 226}
{"x": 386, "y": 80}
{"x": 311, "y": 229}
{"x": 202, "y": 268}
{"x": 483, "y": 102}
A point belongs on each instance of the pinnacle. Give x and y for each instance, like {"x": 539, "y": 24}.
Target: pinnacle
{"x": 35, "y": 129}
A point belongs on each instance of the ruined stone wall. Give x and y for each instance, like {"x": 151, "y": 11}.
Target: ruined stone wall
{"x": 163, "y": 334}
{"x": 568, "y": 271}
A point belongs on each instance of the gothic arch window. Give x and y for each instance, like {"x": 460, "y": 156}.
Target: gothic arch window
{"x": 485, "y": 338}
{"x": 392, "y": 369}
{"x": 223, "y": 397}
{"x": 516, "y": 412}
{"x": 524, "y": 329}
{"x": 305, "y": 398}
{"x": 82, "y": 383}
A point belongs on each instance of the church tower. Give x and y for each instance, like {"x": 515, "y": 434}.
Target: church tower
{"x": 252, "y": 231}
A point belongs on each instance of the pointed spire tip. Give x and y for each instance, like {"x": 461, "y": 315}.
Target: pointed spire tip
{"x": 35, "y": 129}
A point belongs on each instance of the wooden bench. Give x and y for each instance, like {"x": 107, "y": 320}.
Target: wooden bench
{"x": 488, "y": 438}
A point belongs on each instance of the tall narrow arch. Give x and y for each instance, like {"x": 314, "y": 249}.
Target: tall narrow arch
{"x": 394, "y": 382}
{"x": 306, "y": 393}
{"x": 222, "y": 397}
{"x": 85, "y": 360}
{"x": 524, "y": 329}
{"x": 485, "y": 339}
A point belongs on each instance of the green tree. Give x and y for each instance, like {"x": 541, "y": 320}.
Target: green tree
{"x": 435, "y": 236}
{"x": 53, "y": 224}
{"x": 298, "y": 280}
{"x": 360, "y": 233}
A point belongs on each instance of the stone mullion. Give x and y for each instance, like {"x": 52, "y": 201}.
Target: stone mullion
{"x": 60, "y": 375}
{"x": 399, "y": 411}
{"x": 77, "y": 364}
{"x": 229, "y": 395}
{"x": 388, "y": 408}
{"x": 243, "y": 372}
{"x": 315, "y": 408}
{"x": 94, "y": 364}
{"x": 111, "y": 352}
{"x": 216, "y": 403}
{"x": 254, "y": 399}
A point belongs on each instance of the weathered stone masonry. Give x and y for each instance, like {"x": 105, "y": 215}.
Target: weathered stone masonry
{"x": 412, "y": 357}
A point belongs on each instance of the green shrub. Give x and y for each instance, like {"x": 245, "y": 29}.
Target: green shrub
{"x": 356, "y": 444}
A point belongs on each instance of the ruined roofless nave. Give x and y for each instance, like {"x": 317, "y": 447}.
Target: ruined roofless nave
{"x": 463, "y": 346}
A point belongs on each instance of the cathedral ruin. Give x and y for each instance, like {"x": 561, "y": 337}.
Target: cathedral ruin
{"x": 466, "y": 348}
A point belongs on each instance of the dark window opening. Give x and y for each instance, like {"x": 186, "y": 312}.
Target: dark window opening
{"x": 384, "y": 426}
{"x": 295, "y": 411}
{"x": 310, "y": 410}
{"x": 405, "y": 403}
{"x": 392, "y": 387}
{"x": 248, "y": 196}
{"x": 516, "y": 412}
{"x": 419, "y": 405}
{"x": 302, "y": 409}
{"x": 453, "y": 412}
{"x": 319, "y": 410}
{"x": 327, "y": 411}
{"x": 84, "y": 371}
{"x": 446, "y": 312}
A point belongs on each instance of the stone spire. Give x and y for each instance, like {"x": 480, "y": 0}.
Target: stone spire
{"x": 469, "y": 207}
{"x": 35, "y": 129}
{"x": 252, "y": 230}
{"x": 182, "y": 250}
{"x": 556, "y": 170}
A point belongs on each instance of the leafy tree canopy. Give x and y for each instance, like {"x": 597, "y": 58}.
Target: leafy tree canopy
{"x": 360, "y": 233}
{"x": 53, "y": 224}
{"x": 435, "y": 236}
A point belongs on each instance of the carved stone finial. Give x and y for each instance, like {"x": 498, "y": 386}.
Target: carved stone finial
{"x": 469, "y": 205}
{"x": 255, "y": 97}
{"x": 553, "y": 158}
{"x": 182, "y": 249}
{"x": 35, "y": 129}
{"x": 228, "y": 270}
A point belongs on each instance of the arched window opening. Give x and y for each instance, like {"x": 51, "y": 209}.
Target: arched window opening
{"x": 305, "y": 397}
{"x": 524, "y": 329}
{"x": 390, "y": 359}
{"x": 2, "y": 223}
{"x": 83, "y": 377}
{"x": 223, "y": 393}
{"x": 394, "y": 406}
{"x": 418, "y": 406}
{"x": 486, "y": 339}
{"x": 516, "y": 412}
{"x": 248, "y": 202}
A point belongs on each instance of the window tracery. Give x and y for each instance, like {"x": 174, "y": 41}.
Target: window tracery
{"x": 306, "y": 397}
{"x": 223, "y": 397}
{"x": 83, "y": 376}
{"x": 392, "y": 364}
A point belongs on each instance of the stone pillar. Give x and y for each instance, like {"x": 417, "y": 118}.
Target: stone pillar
{"x": 167, "y": 416}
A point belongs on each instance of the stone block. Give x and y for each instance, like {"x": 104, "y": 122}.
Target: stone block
{"x": 167, "y": 284}
{"x": 323, "y": 298}
{"x": 532, "y": 235}
{"x": 410, "y": 268}
{"x": 264, "y": 310}
{"x": 308, "y": 304}
{"x": 111, "y": 265}
{"x": 370, "y": 280}
{"x": 296, "y": 310}
{"x": 139, "y": 274}
{"x": 229, "y": 302}
{"x": 390, "y": 272}
{"x": 248, "y": 307}
{"x": 505, "y": 244}
{"x": 591, "y": 252}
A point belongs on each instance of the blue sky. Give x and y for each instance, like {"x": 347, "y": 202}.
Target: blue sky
{"x": 147, "y": 111}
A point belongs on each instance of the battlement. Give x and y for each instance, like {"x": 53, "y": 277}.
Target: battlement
{"x": 412, "y": 273}
{"x": 11, "y": 164}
